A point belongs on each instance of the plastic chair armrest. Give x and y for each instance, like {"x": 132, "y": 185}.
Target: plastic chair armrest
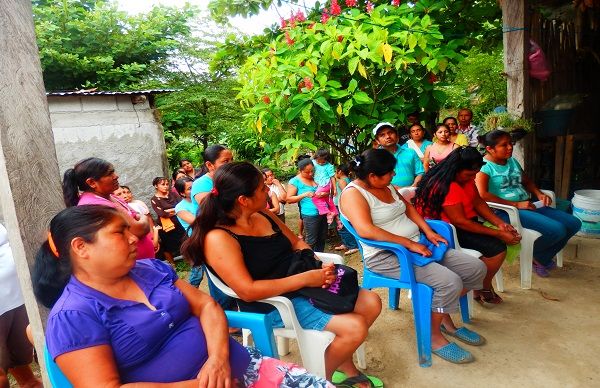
{"x": 513, "y": 214}
{"x": 261, "y": 327}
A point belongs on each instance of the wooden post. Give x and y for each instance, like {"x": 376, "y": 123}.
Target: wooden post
{"x": 30, "y": 192}
{"x": 515, "y": 22}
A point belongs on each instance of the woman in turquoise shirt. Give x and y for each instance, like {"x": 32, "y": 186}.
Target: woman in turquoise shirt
{"x": 502, "y": 180}
{"x": 301, "y": 188}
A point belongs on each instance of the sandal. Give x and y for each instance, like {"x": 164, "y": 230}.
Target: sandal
{"x": 487, "y": 296}
{"x": 465, "y": 335}
{"x": 340, "y": 379}
{"x": 350, "y": 251}
{"x": 454, "y": 354}
{"x": 540, "y": 270}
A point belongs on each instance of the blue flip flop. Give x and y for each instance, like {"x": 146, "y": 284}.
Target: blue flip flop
{"x": 465, "y": 335}
{"x": 454, "y": 354}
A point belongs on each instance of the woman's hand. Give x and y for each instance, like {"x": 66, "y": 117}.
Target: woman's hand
{"x": 419, "y": 248}
{"x": 435, "y": 239}
{"x": 509, "y": 238}
{"x": 525, "y": 205}
{"x": 507, "y": 227}
{"x": 321, "y": 195}
{"x": 309, "y": 194}
{"x": 323, "y": 277}
{"x": 546, "y": 200}
{"x": 216, "y": 373}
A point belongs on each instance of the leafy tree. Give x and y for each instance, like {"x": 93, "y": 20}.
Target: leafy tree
{"x": 92, "y": 44}
{"x": 478, "y": 82}
{"x": 331, "y": 81}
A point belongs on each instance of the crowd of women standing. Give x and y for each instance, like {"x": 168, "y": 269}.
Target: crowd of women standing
{"x": 136, "y": 316}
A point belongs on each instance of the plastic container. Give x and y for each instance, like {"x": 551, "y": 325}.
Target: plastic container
{"x": 554, "y": 122}
{"x": 586, "y": 207}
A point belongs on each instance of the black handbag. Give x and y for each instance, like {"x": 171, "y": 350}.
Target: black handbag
{"x": 340, "y": 297}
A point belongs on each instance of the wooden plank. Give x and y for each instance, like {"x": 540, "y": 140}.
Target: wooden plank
{"x": 30, "y": 192}
{"x": 559, "y": 157}
{"x": 567, "y": 169}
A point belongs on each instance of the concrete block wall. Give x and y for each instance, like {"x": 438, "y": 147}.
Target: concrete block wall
{"x": 114, "y": 129}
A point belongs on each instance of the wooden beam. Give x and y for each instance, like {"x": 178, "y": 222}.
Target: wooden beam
{"x": 515, "y": 22}
{"x": 30, "y": 192}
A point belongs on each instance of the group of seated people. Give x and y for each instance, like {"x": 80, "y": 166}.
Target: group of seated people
{"x": 119, "y": 317}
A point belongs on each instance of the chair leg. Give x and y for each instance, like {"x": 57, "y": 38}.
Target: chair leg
{"x": 464, "y": 308}
{"x": 559, "y": 259}
{"x": 422, "y": 314}
{"x": 283, "y": 346}
{"x": 247, "y": 339}
{"x": 500, "y": 280}
{"x": 393, "y": 298}
{"x": 526, "y": 259}
{"x": 471, "y": 304}
{"x": 361, "y": 358}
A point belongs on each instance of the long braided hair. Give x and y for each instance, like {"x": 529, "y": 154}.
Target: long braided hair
{"x": 435, "y": 184}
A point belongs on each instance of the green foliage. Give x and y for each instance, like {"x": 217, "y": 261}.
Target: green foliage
{"x": 331, "y": 82}
{"x": 478, "y": 82}
{"x": 506, "y": 121}
{"x": 92, "y": 44}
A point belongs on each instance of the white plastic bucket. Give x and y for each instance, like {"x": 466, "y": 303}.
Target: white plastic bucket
{"x": 586, "y": 207}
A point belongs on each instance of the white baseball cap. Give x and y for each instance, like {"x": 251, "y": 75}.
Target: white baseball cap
{"x": 381, "y": 125}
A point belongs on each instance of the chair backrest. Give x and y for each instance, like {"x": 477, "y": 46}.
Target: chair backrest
{"x": 408, "y": 193}
{"x": 57, "y": 378}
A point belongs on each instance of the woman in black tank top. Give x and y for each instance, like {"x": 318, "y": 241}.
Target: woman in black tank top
{"x": 250, "y": 250}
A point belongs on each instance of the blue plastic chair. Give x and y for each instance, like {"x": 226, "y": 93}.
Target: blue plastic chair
{"x": 259, "y": 324}
{"x": 421, "y": 293}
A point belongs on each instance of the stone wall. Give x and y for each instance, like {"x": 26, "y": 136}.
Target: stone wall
{"x": 114, "y": 129}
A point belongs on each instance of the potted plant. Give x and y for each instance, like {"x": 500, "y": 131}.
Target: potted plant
{"x": 517, "y": 127}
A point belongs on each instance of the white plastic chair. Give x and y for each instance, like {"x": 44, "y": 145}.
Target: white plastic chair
{"x": 528, "y": 239}
{"x": 312, "y": 343}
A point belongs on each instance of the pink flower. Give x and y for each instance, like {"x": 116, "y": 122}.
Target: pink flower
{"x": 282, "y": 23}
{"x": 369, "y": 7}
{"x": 292, "y": 20}
{"x": 308, "y": 84}
{"x": 335, "y": 8}
{"x": 351, "y": 3}
{"x": 300, "y": 16}
{"x": 396, "y": 2}
{"x": 324, "y": 16}
{"x": 288, "y": 39}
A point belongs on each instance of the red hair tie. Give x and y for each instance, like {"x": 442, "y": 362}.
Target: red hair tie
{"x": 214, "y": 191}
{"x": 52, "y": 245}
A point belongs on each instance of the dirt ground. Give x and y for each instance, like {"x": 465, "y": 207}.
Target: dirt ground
{"x": 543, "y": 337}
{"x": 533, "y": 340}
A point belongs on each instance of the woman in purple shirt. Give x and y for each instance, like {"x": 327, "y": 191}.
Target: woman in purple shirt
{"x": 115, "y": 320}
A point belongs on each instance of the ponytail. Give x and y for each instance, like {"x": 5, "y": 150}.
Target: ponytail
{"x": 50, "y": 275}
{"x": 74, "y": 179}
{"x": 70, "y": 188}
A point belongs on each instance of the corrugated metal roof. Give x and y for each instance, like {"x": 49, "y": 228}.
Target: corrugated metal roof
{"x": 109, "y": 93}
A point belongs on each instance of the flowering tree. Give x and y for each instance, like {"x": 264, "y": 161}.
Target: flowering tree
{"x": 330, "y": 81}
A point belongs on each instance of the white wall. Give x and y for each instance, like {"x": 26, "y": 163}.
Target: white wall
{"x": 114, "y": 129}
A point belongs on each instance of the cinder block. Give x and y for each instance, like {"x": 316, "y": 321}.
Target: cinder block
{"x": 64, "y": 104}
{"x": 96, "y": 103}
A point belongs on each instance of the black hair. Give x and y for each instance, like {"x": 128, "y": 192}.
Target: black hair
{"x": 450, "y": 118}
{"x": 50, "y": 273}
{"x": 126, "y": 187}
{"x": 176, "y": 172}
{"x": 303, "y": 163}
{"x": 159, "y": 179}
{"x": 492, "y": 138}
{"x": 180, "y": 184}
{"x": 211, "y": 154}
{"x": 74, "y": 179}
{"x": 344, "y": 167}
{"x": 468, "y": 110}
{"x": 183, "y": 160}
{"x": 434, "y": 185}
{"x": 415, "y": 114}
{"x": 300, "y": 157}
{"x": 322, "y": 153}
{"x": 438, "y": 126}
{"x": 373, "y": 161}
{"x": 417, "y": 125}
{"x": 230, "y": 182}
